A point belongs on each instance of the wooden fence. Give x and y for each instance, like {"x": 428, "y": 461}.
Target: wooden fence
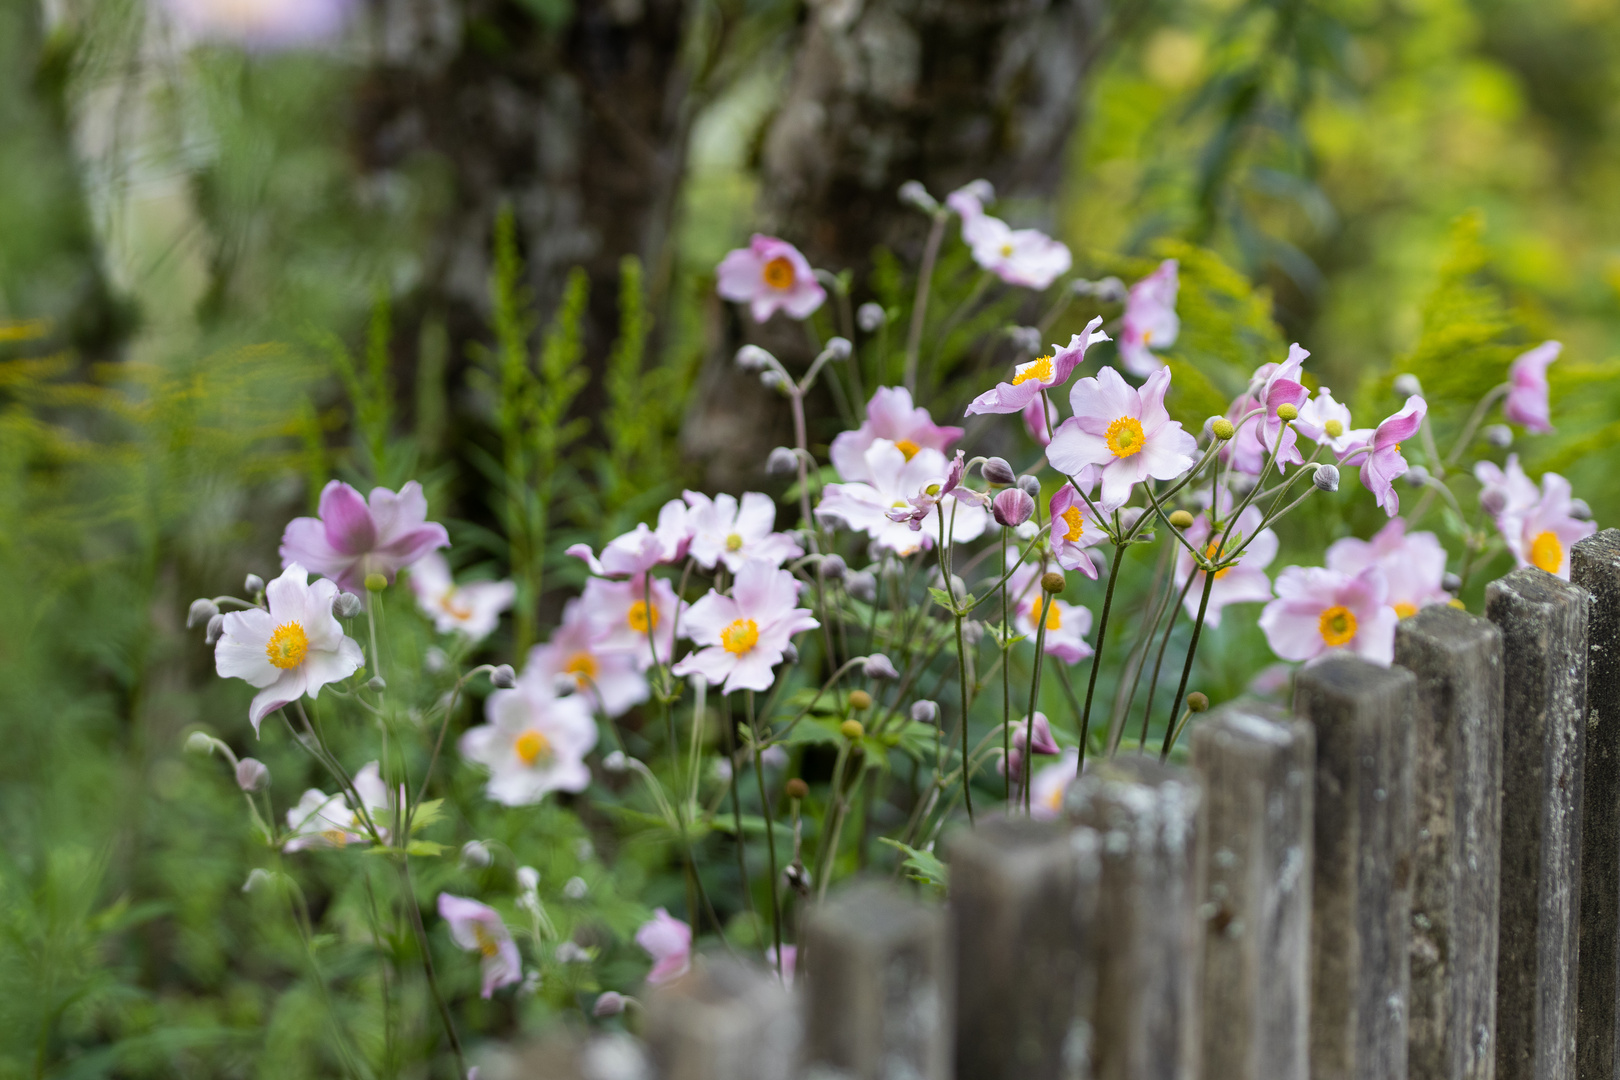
{"x": 1417, "y": 875}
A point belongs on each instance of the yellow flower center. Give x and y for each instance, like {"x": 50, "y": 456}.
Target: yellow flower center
{"x": 642, "y": 618}
{"x": 1006, "y": 251}
{"x": 335, "y": 837}
{"x": 451, "y": 605}
{"x": 531, "y": 746}
{"x": 1054, "y": 620}
{"x": 1545, "y": 552}
{"x": 1054, "y": 801}
{"x": 778, "y": 273}
{"x": 289, "y": 644}
{"x": 582, "y": 666}
{"x": 908, "y": 448}
{"x": 1405, "y": 609}
{"x": 487, "y": 945}
{"x": 1147, "y": 337}
{"x": 1210, "y": 553}
{"x": 1337, "y": 625}
{"x": 734, "y": 542}
{"x": 1125, "y": 436}
{"x": 740, "y": 636}
{"x": 1039, "y": 370}
{"x": 1075, "y": 521}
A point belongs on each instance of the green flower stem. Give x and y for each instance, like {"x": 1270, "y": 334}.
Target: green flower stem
{"x": 1102, "y": 634}
{"x": 1006, "y": 673}
{"x": 427, "y": 964}
{"x": 919, "y": 306}
{"x": 736, "y": 806}
{"x": 1474, "y": 420}
{"x": 1186, "y": 668}
{"x": 1035, "y": 697}
{"x": 1153, "y": 683}
{"x": 770, "y": 833}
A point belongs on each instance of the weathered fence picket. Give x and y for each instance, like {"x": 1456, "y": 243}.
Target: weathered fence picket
{"x": 724, "y": 1020}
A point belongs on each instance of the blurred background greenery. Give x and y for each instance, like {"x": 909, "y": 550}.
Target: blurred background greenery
{"x": 228, "y": 274}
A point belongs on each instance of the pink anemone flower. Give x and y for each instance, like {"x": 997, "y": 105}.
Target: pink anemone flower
{"x": 479, "y": 928}
{"x": 574, "y": 659}
{"x": 1124, "y": 432}
{"x": 889, "y": 415}
{"x": 473, "y": 608}
{"x": 891, "y": 482}
{"x": 668, "y": 941}
{"x": 633, "y": 617}
{"x": 727, "y": 531}
{"x": 534, "y": 742}
{"x": 1542, "y": 534}
{"x": 1066, "y": 624}
{"x": 1526, "y": 403}
{"x": 1150, "y": 320}
{"x": 1049, "y": 783}
{"x": 1244, "y": 582}
{"x": 1326, "y": 422}
{"x": 770, "y": 274}
{"x": 1039, "y": 426}
{"x": 1030, "y": 379}
{"x": 320, "y": 820}
{"x": 1505, "y": 492}
{"x": 1271, "y": 387}
{"x": 355, "y": 537}
{"x": 1383, "y": 464}
{"x": 744, "y": 635}
{"x": 1414, "y": 565}
{"x": 924, "y": 504}
{"x": 1043, "y": 743}
{"x": 1024, "y": 257}
{"x": 1319, "y": 611}
{"x": 261, "y": 25}
{"x": 1074, "y": 529}
{"x": 633, "y": 553}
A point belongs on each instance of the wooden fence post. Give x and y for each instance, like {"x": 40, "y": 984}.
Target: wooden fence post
{"x": 1146, "y": 934}
{"x": 1254, "y": 891}
{"x": 1021, "y": 897}
{"x": 723, "y": 1020}
{"x": 1457, "y": 812}
{"x": 1361, "y": 899}
{"x": 1595, "y": 567}
{"x": 873, "y": 963}
{"x": 1543, "y": 623}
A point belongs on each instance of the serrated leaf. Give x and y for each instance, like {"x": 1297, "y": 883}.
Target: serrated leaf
{"x": 921, "y": 866}
{"x": 942, "y": 598}
{"x": 426, "y": 814}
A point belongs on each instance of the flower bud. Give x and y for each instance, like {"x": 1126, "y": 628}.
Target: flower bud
{"x": 833, "y": 567}
{"x": 258, "y": 878}
{"x": 753, "y": 358}
{"x": 1499, "y": 436}
{"x": 216, "y": 627}
{"x": 796, "y": 788}
{"x": 1012, "y": 507}
{"x": 1110, "y": 290}
{"x": 1493, "y": 500}
{"x": 1580, "y": 510}
{"x": 376, "y": 582}
{"x": 1197, "y": 701}
{"x": 838, "y": 349}
{"x": 575, "y": 888}
{"x": 1326, "y": 477}
{"x": 878, "y": 666}
{"x": 528, "y": 878}
{"x": 346, "y": 605}
{"x": 1053, "y": 582}
{"x": 852, "y": 729}
{"x": 972, "y": 632}
{"x": 1417, "y": 476}
{"x": 775, "y": 380}
{"x": 616, "y": 762}
{"x": 503, "y": 677}
{"x": 1407, "y": 384}
{"x": 608, "y": 1004}
{"x": 376, "y": 684}
{"x": 569, "y": 952}
{"x": 1287, "y": 412}
{"x": 253, "y": 585}
{"x": 199, "y": 743}
{"x": 252, "y": 774}
{"x": 870, "y": 317}
{"x": 1181, "y": 519}
{"x": 924, "y": 712}
{"x": 475, "y": 854}
{"x": 913, "y": 194}
{"x": 790, "y": 653}
{"x": 859, "y": 700}
{"x": 201, "y": 612}
{"x": 1030, "y": 486}
{"x": 1450, "y": 582}
{"x": 1025, "y": 338}
{"x": 783, "y": 462}
{"x": 1222, "y": 428}
{"x": 862, "y": 585}
{"x": 996, "y": 471}
{"x": 797, "y": 877}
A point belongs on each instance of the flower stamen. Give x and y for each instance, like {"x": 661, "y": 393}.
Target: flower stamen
{"x": 582, "y": 666}
{"x": 1337, "y": 625}
{"x": 1546, "y": 552}
{"x": 778, "y": 273}
{"x": 1039, "y": 370}
{"x": 287, "y": 646}
{"x": 642, "y": 619}
{"x": 531, "y": 746}
{"x": 1125, "y": 437}
{"x": 908, "y": 448}
{"x": 740, "y": 636}
{"x": 1075, "y": 522}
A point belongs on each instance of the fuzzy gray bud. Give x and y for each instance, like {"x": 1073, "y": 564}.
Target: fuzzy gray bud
{"x": 1450, "y": 582}
{"x": 216, "y": 627}
{"x": 253, "y": 584}
{"x": 1499, "y": 436}
{"x": 1326, "y": 478}
{"x": 833, "y": 567}
{"x": 616, "y": 762}
{"x": 870, "y": 317}
{"x": 252, "y": 774}
{"x": 782, "y": 463}
{"x": 862, "y": 585}
{"x": 575, "y": 888}
{"x": 503, "y": 677}
{"x": 475, "y": 855}
{"x": 346, "y": 605}
{"x": 838, "y": 349}
{"x": 609, "y": 1004}
{"x": 912, "y": 193}
{"x": 972, "y": 632}
{"x": 1030, "y": 486}
{"x": 258, "y": 878}
{"x": 996, "y": 471}
{"x": 1493, "y": 500}
{"x": 1025, "y": 338}
{"x": 1580, "y": 510}
{"x": 775, "y": 380}
{"x": 924, "y": 712}
{"x": 201, "y": 612}
{"x": 878, "y": 666}
{"x": 790, "y": 653}
{"x": 376, "y": 684}
{"x": 1417, "y": 476}
{"x": 1407, "y": 384}
{"x": 753, "y": 358}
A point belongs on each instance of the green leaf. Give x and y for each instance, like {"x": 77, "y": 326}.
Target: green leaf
{"x": 814, "y": 729}
{"x": 426, "y": 848}
{"x": 921, "y": 866}
{"x": 752, "y": 825}
{"x": 942, "y": 598}
{"x": 426, "y": 814}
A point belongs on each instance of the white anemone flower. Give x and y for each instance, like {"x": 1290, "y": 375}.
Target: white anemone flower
{"x": 535, "y": 742}
{"x": 473, "y": 608}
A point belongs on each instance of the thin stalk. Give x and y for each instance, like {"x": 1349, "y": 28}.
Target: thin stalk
{"x": 1186, "y": 668}
{"x": 1153, "y": 683}
{"x": 427, "y": 966}
{"x": 770, "y": 834}
{"x": 919, "y": 306}
{"x": 1102, "y": 636}
{"x": 1034, "y": 698}
{"x": 1006, "y": 673}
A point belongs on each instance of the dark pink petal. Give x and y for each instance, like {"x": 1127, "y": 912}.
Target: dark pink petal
{"x": 349, "y": 525}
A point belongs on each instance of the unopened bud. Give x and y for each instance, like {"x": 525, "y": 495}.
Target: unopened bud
{"x": 1417, "y": 475}
{"x": 475, "y": 854}
{"x": 1030, "y": 486}
{"x": 797, "y": 877}
{"x": 972, "y": 632}
{"x": 796, "y": 788}
{"x": 852, "y": 729}
{"x": 258, "y": 878}
{"x": 1181, "y": 519}
{"x": 376, "y": 582}
{"x": 1326, "y": 477}
{"x": 198, "y": 743}
{"x": 996, "y": 471}
{"x": 376, "y": 684}
{"x": 1222, "y": 428}
{"x": 503, "y": 677}
{"x": 1499, "y": 436}
{"x": 1493, "y": 500}
{"x": 1287, "y": 412}
{"x": 833, "y": 567}
{"x": 1580, "y": 510}
{"x": 253, "y": 585}
{"x": 569, "y": 952}
{"x": 201, "y": 611}
{"x": 870, "y": 317}
{"x": 608, "y": 1004}
{"x": 1012, "y": 507}
{"x": 528, "y": 878}
{"x": 879, "y": 666}
{"x": 1053, "y": 582}
{"x": 838, "y": 349}
{"x": 1110, "y": 290}
{"x": 859, "y": 700}
{"x": 1406, "y": 385}
{"x": 1197, "y": 701}
{"x": 775, "y": 380}
{"x": 783, "y": 462}
{"x": 346, "y": 605}
{"x": 1450, "y": 582}
{"x": 862, "y": 585}
{"x": 575, "y": 888}
{"x": 912, "y": 193}
{"x": 790, "y": 653}
{"x": 216, "y": 627}
{"x": 616, "y": 762}
{"x": 252, "y": 774}
{"x": 1025, "y": 339}
{"x": 924, "y": 712}
{"x": 753, "y": 358}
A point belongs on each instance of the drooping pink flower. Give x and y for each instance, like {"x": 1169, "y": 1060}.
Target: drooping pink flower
{"x": 1074, "y": 529}
{"x": 889, "y": 415}
{"x": 1046, "y": 373}
{"x": 1041, "y": 428}
{"x": 891, "y": 482}
{"x": 633, "y": 553}
{"x": 261, "y": 25}
{"x": 1323, "y": 420}
{"x": 1319, "y": 611}
{"x": 1043, "y": 743}
{"x": 1024, "y": 257}
{"x": 574, "y": 659}
{"x": 354, "y": 537}
{"x": 744, "y": 635}
{"x": 479, "y": 928}
{"x": 291, "y": 647}
{"x": 770, "y": 274}
{"x": 632, "y": 617}
{"x": 320, "y": 820}
{"x": 1066, "y": 624}
{"x": 1242, "y": 583}
{"x": 473, "y": 608}
{"x": 668, "y": 941}
{"x": 1542, "y": 534}
{"x": 1150, "y": 320}
{"x": 1414, "y": 565}
{"x": 534, "y": 742}
{"x": 1271, "y": 387}
{"x": 729, "y": 532}
{"x": 1505, "y": 493}
{"x": 1382, "y": 463}
{"x": 1526, "y": 402}
{"x": 1124, "y": 432}
{"x": 1049, "y": 783}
